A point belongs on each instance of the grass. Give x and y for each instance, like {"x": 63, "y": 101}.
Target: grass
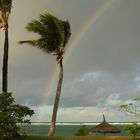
{"x": 74, "y": 138}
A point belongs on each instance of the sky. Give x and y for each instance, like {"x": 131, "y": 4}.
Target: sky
{"x": 101, "y": 62}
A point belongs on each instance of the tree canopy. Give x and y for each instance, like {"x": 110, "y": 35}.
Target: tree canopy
{"x": 53, "y": 33}
{"x": 11, "y": 114}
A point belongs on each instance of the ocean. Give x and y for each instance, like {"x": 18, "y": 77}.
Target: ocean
{"x": 66, "y": 129}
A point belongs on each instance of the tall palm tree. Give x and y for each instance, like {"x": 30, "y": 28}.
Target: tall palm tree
{"x": 5, "y": 10}
{"x": 54, "y": 35}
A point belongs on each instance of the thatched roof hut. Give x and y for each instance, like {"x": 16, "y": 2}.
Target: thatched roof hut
{"x": 105, "y": 127}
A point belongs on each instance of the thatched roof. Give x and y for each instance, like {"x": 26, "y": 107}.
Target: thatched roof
{"x": 105, "y": 127}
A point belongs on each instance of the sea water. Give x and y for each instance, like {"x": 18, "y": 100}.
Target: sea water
{"x": 64, "y": 129}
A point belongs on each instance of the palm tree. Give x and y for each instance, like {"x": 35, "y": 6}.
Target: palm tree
{"x": 54, "y": 35}
{"x": 5, "y": 10}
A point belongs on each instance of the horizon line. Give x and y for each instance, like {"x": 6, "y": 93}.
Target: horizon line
{"x": 85, "y": 122}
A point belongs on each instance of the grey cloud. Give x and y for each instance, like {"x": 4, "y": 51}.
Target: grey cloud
{"x": 100, "y": 90}
{"x": 103, "y": 69}
{"x": 112, "y": 44}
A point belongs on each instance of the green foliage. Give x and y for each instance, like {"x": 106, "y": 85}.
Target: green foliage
{"x": 82, "y": 131}
{"x": 5, "y": 9}
{"x": 5, "y": 5}
{"x": 132, "y": 108}
{"x": 11, "y": 114}
{"x": 133, "y": 129}
{"x": 53, "y": 33}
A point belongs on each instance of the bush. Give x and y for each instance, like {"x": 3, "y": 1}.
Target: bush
{"x": 133, "y": 129}
{"x": 132, "y": 108}
{"x": 11, "y": 114}
{"x": 82, "y": 131}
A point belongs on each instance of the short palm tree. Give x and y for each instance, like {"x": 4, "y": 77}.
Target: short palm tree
{"x": 54, "y": 35}
{"x": 5, "y": 10}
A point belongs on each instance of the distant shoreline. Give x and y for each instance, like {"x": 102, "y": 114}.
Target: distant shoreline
{"x": 81, "y": 123}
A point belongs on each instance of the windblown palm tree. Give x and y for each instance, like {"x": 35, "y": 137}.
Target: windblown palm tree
{"x": 54, "y": 35}
{"x": 5, "y": 10}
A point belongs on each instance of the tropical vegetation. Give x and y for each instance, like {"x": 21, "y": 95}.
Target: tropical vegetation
{"x": 132, "y": 129}
{"x": 53, "y": 37}
{"x": 11, "y": 114}
{"x": 54, "y": 34}
{"x": 5, "y": 10}
{"x": 82, "y": 131}
{"x": 131, "y": 108}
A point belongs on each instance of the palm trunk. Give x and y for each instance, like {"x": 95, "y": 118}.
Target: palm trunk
{"x": 5, "y": 63}
{"x": 56, "y": 103}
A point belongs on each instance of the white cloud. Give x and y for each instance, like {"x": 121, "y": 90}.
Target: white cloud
{"x": 113, "y": 100}
{"x": 80, "y": 114}
{"x": 91, "y": 76}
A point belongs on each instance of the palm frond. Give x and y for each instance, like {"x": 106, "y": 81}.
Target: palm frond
{"x": 52, "y": 24}
{"x": 51, "y": 21}
{"x": 54, "y": 33}
{"x": 30, "y": 42}
{"x": 39, "y": 43}
{"x": 5, "y": 9}
{"x": 47, "y": 26}
{"x": 5, "y": 5}
{"x": 37, "y": 27}
{"x": 65, "y": 31}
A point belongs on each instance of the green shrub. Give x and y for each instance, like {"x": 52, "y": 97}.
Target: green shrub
{"x": 11, "y": 114}
{"x": 82, "y": 131}
{"x": 133, "y": 129}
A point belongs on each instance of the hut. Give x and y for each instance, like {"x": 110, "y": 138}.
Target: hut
{"x": 105, "y": 127}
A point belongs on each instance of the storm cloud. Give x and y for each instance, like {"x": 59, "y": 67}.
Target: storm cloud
{"x": 101, "y": 72}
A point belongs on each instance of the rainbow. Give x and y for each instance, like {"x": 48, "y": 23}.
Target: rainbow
{"x": 73, "y": 43}
{"x": 85, "y": 27}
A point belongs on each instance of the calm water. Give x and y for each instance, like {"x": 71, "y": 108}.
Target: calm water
{"x": 61, "y": 130}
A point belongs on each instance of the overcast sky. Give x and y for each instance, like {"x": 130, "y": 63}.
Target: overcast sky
{"x": 102, "y": 67}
